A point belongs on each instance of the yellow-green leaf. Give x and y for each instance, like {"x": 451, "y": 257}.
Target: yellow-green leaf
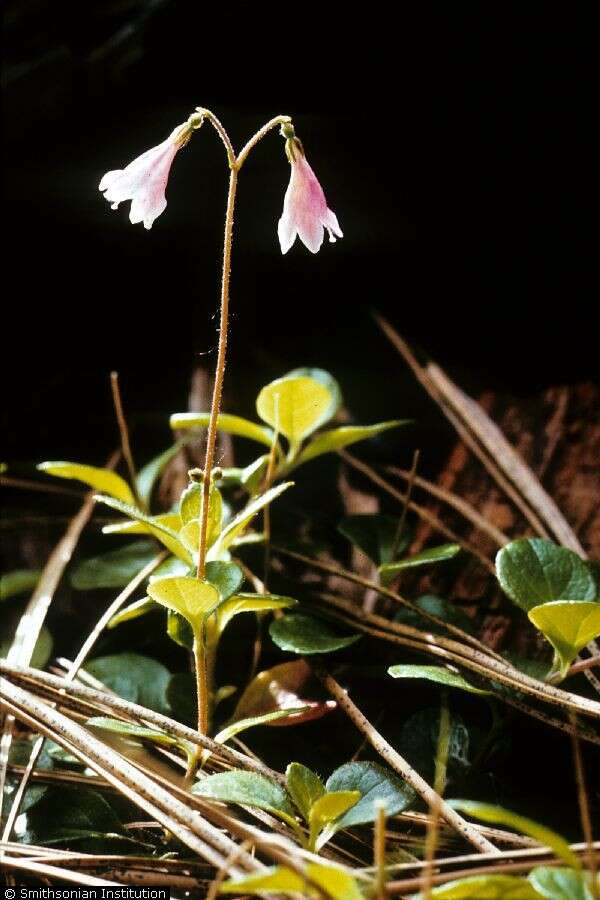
{"x": 235, "y": 425}
{"x": 326, "y": 809}
{"x": 172, "y": 521}
{"x": 344, "y": 436}
{"x": 336, "y": 883}
{"x": 243, "y": 519}
{"x": 242, "y": 724}
{"x": 162, "y": 533}
{"x": 487, "y": 812}
{"x": 435, "y": 673}
{"x": 569, "y": 625}
{"x": 191, "y": 598}
{"x": 294, "y": 406}
{"x": 304, "y": 787}
{"x": 240, "y": 603}
{"x": 100, "y": 479}
{"x": 484, "y": 887}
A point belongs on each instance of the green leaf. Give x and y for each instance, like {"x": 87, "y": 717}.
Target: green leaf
{"x": 160, "y": 531}
{"x": 189, "y": 509}
{"x": 240, "y": 603}
{"x": 74, "y": 815}
{"x": 100, "y": 479}
{"x": 41, "y": 652}
{"x": 376, "y": 786}
{"x": 170, "y": 568}
{"x": 487, "y": 812}
{"x": 133, "y": 677}
{"x": 344, "y": 436}
{"x": 243, "y": 519}
{"x": 435, "y": 673}
{"x": 242, "y": 724}
{"x": 304, "y": 787}
{"x": 336, "y": 883}
{"x": 376, "y": 535}
{"x": 299, "y": 633}
{"x": 569, "y": 625}
{"x": 147, "y": 476}
{"x": 561, "y": 884}
{"x": 181, "y": 695}
{"x": 230, "y": 424}
{"x": 281, "y": 687}
{"x": 247, "y": 789}
{"x": 435, "y": 606}
{"x": 533, "y": 571}
{"x": 191, "y": 598}
{"x": 295, "y": 406}
{"x": 325, "y": 811}
{"x": 328, "y": 382}
{"x": 127, "y": 730}
{"x": 433, "y": 555}
{"x": 484, "y": 887}
{"x": 21, "y": 581}
{"x": 180, "y": 630}
{"x": 114, "y": 569}
{"x": 227, "y": 577}
{"x": 128, "y": 526}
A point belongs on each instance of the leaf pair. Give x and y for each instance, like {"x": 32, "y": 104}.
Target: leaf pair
{"x": 350, "y": 796}
{"x": 295, "y": 406}
{"x": 557, "y": 590}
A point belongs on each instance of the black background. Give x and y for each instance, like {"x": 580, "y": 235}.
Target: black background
{"x": 454, "y": 147}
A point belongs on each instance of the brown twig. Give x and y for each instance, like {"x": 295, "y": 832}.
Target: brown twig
{"x": 124, "y": 432}
{"x": 399, "y": 764}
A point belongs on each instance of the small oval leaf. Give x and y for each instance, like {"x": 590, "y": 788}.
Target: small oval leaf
{"x": 300, "y": 633}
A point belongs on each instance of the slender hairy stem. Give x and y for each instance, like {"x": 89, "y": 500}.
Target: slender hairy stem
{"x": 201, "y": 680}
{"x": 219, "y": 373}
{"x": 124, "y": 432}
{"x": 273, "y": 123}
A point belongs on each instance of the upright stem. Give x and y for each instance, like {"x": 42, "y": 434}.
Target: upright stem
{"x": 220, "y": 370}
{"x": 124, "y": 432}
{"x": 201, "y": 680}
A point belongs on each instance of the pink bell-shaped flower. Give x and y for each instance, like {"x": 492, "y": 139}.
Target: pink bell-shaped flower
{"x": 305, "y": 210}
{"x": 145, "y": 179}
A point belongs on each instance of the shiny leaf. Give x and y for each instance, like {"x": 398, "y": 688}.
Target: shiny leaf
{"x": 282, "y": 687}
{"x": 243, "y": 518}
{"x": 304, "y": 787}
{"x": 191, "y": 598}
{"x": 427, "y": 557}
{"x": 325, "y": 810}
{"x": 344, "y": 436}
{"x": 133, "y": 677}
{"x": 240, "y": 603}
{"x": 161, "y": 532}
{"x": 337, "y": 884}
{"x": 294, "y": 406}
{"x": 484, "y": 887}
{"x": 435, "y": 673}
{"x": 114, "y": 569}
{"x": 300, "y": 633}
{"x": 99, "y": 479}
{"x": 235, "y": 425}
{"x": 568, "y": 625}
{"x": 533, "y": 571}
{"x": 561, "y": 884}
{"x": 376, "y": 786}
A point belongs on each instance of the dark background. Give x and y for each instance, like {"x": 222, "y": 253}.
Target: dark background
{"x": 453, "y": 146}
{"x": 455, "y": 149}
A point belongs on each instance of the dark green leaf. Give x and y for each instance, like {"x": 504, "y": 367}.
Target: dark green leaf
{"x": 114, "y": 569}
{"x": 435, "y": 673}
{"x": 247, "y": 789}
{"x": 427, "y": 557}
{"x": 376, "y": 786}
{"x": 376, "y": 535}
{"x": 148, "y": 475}
{"x": 133, "y": 677}
{"x": 299, "y": 633}
{"x": 435, "y": 606}
{"x": 561, "y": 884}
{"x": 21, "y": 581}
{"x": 303, "y": 786}
{"x": 534, "y": 571}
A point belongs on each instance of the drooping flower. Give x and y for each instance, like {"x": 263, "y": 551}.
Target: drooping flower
{"x": 305, "y": 210}
{"x": 144, "y": 180}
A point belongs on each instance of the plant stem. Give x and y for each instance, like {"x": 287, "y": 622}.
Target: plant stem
{"x": 379, "y": 853}
{"x": 219, "y": 372}
{"x": 201, "y": 680}
{"x": 124, "y": 432}
{"x": 273, "y": 123}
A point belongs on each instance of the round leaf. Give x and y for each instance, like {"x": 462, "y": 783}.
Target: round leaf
{"x": 295, "y": 406}
{"x": 568, "y": 625}
{"x": 191, "y": 598}
{"x": 114, "y": 569}
{"x": 133, "y": 677}
{"x": 302, "y": 634}
{"x": 376, "y": 786}
{"x": 533, "y": 571}
{"x": 245, "y": 788}
{"x": 303, "y": 786}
